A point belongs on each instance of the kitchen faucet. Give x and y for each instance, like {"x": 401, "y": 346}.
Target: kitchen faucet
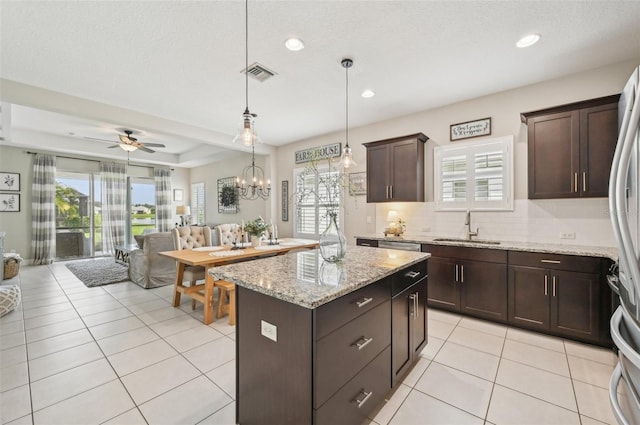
{"x": 467, "y": 222}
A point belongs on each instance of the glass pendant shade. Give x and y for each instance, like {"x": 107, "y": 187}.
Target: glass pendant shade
{"x": 346, "y": 160}
{"x": 247, "y": 135}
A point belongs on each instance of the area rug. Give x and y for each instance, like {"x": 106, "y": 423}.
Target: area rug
{"x": 101, "y": 271}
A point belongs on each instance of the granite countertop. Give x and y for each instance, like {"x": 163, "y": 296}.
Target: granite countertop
{"x": 305, "y": 279}
{"x": 590, "y": 251}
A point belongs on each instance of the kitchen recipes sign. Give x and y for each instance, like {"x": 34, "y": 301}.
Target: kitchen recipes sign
{"x": 466, "y": 130}
{"x": 315, "y": 154}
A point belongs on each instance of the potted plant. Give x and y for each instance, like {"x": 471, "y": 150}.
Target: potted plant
{"x": 256, "y": 229}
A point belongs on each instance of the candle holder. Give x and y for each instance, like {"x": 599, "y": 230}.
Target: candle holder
{"x": 272, "y": 240}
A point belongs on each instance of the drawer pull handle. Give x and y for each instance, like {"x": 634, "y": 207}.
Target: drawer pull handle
{"x": 364, "y": 244}
{"x": 364, "y": 301}
{"x": 550, "y": 261}
{"x": 361, "y": 401}
{"x": 412, "y": 275}
{"x": 363, "y": 342}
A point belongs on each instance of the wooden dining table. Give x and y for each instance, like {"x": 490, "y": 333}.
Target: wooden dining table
{"x": 209, "y": 257}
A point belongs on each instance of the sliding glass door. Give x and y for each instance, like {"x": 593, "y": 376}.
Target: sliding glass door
{"x": 78, "y": 215}
{"x": 142, "y": 195}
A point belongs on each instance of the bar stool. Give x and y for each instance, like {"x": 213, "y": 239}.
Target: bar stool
{"x": 226, "y": 300}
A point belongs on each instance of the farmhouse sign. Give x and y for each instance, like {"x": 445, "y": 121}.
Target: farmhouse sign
{"x": 315, "y": 154}
{"x": 465, "y": 130}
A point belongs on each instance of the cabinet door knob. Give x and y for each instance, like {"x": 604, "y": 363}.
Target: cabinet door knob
{"x": 362, "y": 398}
{"x": 364, "y": 301}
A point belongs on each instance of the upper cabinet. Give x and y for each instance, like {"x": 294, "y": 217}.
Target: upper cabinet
{"x": 395, "y": 169}
{"x": 571, "y": 148}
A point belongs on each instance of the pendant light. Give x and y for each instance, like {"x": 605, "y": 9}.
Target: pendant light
{"x": 247, "y": 134}
{"x": 347, "y": 155}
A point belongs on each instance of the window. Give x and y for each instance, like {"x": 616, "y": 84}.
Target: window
{"x": 474, "y": 175}
{"x": 143, "y": 205}
{"x": 312, "y": 208}
{"x": 198, "y": 215}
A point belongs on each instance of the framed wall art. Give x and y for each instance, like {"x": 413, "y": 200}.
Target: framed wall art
{"x": 469, "y": 129}
{"x": 9, "y": 182}
{"x": 178, "y": 195}
{"x": 357, "y": 184}
{"x": 285, "y": 200}
{"x": 9, "y": 202}
{"x": 228, "y": 199}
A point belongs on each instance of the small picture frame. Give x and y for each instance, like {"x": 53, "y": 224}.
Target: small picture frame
{"x": 285, "y": 200}
{"x": 358, "y": 184}
{"x": 9, "y": 202}
{"x": 9, "y": 182}
{"x": 469, "y": 129}
{"x": 178, "y": 195}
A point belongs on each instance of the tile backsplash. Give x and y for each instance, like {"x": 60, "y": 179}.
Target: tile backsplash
{"x": 530, "y": 221}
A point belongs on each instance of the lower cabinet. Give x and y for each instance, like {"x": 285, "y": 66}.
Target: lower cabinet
{"x": 468, "y": 280}
{"x": 559, "y": 294}
{"x": 409, "y": 335}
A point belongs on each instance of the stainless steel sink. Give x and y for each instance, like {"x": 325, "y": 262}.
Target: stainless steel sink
{"x": 480, "y": 241}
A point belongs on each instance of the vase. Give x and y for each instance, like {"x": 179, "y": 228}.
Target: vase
{"x": 333, "y": 244}
{"x": 256, "y": 240}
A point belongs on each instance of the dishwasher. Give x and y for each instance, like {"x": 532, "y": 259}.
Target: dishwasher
{"x": 403, "y": 246}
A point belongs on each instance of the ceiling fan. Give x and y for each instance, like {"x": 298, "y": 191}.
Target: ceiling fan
{"x": 130, "y": 143}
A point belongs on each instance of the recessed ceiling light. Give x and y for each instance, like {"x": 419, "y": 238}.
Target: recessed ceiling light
{"x": 368, "y": 93}
{"x": 294, "y": 44}
{"x": 528, "y": 40}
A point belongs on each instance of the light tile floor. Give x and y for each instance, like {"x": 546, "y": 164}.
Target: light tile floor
{"x": 119, "y": 354}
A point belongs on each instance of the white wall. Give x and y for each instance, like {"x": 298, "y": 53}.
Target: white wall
{"x": 539, "y": 221}
{"x": 209, "y": 174}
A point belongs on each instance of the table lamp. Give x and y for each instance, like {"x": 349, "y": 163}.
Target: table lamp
{"x": 396, "y": 225}
{"x": 183, "y": 211}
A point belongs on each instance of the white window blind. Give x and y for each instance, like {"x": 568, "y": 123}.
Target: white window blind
{"x": 475, "y": 175}
{"x": 312, "y": 216}
{"x": 198, "y": 213}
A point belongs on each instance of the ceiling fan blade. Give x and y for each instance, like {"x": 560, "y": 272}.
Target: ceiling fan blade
{"x": 142, "y": 148}
{"x": 98, "y": 140}
{"x": 117, "y": 145}
{"x": 155, "y": 145}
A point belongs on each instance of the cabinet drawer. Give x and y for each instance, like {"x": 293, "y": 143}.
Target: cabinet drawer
{"x": 360, "y": 396}
{"x": 407, "y": 277}
{"x": 338, "y": 312}
{"x": 367, "y": 242}
{"x": 462, "y": 253}
{"x": 555, "y": 261}
{"x": 349, "y": 348}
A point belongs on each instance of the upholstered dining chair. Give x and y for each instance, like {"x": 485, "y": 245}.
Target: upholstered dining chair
{"x": 229, "y": 233}
{"x": 189, "y": 237}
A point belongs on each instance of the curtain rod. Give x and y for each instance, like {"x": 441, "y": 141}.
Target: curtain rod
{"x": 93, "y": 160}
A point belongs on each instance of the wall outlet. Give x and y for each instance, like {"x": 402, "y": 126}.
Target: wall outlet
{"x": 567, "y": 235}
{"x": 269, "y": 331}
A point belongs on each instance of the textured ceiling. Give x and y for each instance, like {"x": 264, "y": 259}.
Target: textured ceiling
{"x": 176, "y": 65}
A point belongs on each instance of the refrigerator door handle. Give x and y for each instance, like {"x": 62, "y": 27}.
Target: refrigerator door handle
{"x": 613, "y": 395}
{"x": 627, "y": 350}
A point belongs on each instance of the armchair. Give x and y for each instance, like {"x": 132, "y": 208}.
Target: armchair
{"x": 149, "y": 269}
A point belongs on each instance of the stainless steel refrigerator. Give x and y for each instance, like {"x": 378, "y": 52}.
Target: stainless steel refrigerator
{"x": 624, "y": 206}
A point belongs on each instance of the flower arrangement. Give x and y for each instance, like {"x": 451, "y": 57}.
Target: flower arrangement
{"x": 256, "y": 227}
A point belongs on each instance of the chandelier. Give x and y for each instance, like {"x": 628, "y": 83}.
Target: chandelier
{"x": 247, "y": 134}
{"x": 252, "y": 186}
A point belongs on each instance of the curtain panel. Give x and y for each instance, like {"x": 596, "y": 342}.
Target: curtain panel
{"x": 164, "y": 218}
{"x": 43, "y": 209}
{"x": 114, "y": 205}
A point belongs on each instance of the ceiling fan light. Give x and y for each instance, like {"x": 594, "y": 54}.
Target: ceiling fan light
{"x": 128, "y": 148}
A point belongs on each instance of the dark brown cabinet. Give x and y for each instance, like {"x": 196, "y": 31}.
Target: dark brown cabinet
{"x": 367, "y": 242}
{"x": 558, "y": 294}
{"x": 409, "y": 319}
{"x": 468, "y": 280}
{"x": 395, "y": 169}
{"x": 570, "y": 148}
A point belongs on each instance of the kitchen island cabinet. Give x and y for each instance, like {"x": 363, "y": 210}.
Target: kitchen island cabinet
{"x": 314, "y": 341}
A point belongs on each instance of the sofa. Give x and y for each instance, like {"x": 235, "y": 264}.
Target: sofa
{"x": 149, "y": 269}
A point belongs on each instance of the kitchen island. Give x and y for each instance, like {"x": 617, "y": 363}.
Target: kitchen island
{"x": 320, "y": 343}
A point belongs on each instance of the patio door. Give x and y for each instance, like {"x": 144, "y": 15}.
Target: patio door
{"x": 78, "y": 218}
